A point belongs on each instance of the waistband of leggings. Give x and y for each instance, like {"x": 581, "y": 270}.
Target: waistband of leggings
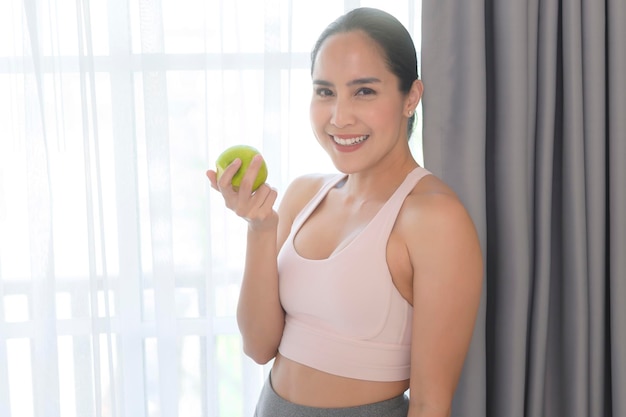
{"x": 282, "y": 407}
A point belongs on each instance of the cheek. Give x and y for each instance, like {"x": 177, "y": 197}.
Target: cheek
{"x": 385, "y": 116}
{"x": 318, "y": 115}
{"x": 375, "y": 116}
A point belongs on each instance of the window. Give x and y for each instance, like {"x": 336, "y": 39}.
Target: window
{"x": 119, "y": 269}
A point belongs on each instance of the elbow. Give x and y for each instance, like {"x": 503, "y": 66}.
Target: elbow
{"x": 259, "y": 355}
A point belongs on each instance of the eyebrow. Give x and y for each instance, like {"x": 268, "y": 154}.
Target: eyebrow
{"x": 358, "y": 81}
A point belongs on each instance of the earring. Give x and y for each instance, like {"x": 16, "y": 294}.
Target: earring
{"x": 410, "y": 113}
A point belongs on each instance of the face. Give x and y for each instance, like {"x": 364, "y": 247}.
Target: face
{"x": 358, "y": 113}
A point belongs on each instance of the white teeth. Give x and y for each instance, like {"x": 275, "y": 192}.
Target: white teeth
{"x": 350, "y": 141}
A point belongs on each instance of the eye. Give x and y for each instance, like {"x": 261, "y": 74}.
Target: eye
{"x": 365, "y": 91}
{"x": 323, "y": 92}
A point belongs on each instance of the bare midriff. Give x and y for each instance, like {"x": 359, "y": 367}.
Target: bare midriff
{"x": 307, "y": 386}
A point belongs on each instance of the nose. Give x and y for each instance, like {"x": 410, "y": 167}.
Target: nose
{"x": 342, "y": 113}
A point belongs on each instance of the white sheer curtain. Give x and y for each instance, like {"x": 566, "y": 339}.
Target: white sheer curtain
{"x": 119, "y": 269}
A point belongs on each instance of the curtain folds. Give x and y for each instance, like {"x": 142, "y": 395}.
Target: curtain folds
{"x": 524, "y": 116}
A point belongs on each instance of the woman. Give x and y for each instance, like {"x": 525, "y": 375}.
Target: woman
{"x": 364, "y": 284}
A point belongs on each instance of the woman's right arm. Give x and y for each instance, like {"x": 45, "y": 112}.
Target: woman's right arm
{"x": 260, "y": 316}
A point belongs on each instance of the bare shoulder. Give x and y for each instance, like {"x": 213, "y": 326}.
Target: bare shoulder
{"x": 299, "y": 192}
{"x": 436, "y": 226}
{"x": 430, "y": 202}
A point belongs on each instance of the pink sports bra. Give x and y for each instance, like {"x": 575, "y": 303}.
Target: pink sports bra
{"x": 344, "y": 314}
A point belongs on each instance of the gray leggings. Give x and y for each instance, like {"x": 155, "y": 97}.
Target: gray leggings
{"x": 272, "y": 405}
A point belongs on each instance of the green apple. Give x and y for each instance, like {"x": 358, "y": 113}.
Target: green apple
{"x": 245, "y": 153}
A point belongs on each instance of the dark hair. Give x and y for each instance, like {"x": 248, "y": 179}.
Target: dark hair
{"x": 394, "y": 40}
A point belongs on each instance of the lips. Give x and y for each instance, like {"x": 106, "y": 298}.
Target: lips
{"x": 349, "y": 141}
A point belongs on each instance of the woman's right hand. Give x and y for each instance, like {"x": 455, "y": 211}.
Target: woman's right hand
{"x": 257, "y": 207}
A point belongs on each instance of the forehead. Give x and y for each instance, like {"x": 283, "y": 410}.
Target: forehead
{"x": 351, "y": 55}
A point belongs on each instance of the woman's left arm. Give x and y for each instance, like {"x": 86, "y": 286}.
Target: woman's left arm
{"x": 447, "y": 284}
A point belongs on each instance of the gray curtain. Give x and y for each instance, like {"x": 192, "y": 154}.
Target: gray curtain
{"x": 525, "y": 117}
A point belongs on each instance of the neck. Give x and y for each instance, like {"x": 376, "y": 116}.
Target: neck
{"x": 378, "y": 183}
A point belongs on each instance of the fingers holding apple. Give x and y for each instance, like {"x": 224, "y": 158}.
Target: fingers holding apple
{"x": 221, "y": 178}
{"x": 221, "y": 182}
{"x": 241, "y": 163}
{"x": 253, "y": 178}
{"x": 240, "y": 177}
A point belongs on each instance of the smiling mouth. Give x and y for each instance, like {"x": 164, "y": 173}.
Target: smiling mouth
{"x": 349, "y": 141}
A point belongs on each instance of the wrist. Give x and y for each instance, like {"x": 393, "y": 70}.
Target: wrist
{"x": 265, "y": 225}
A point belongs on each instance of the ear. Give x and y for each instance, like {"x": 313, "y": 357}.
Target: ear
{"x": 414, "y": 96}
